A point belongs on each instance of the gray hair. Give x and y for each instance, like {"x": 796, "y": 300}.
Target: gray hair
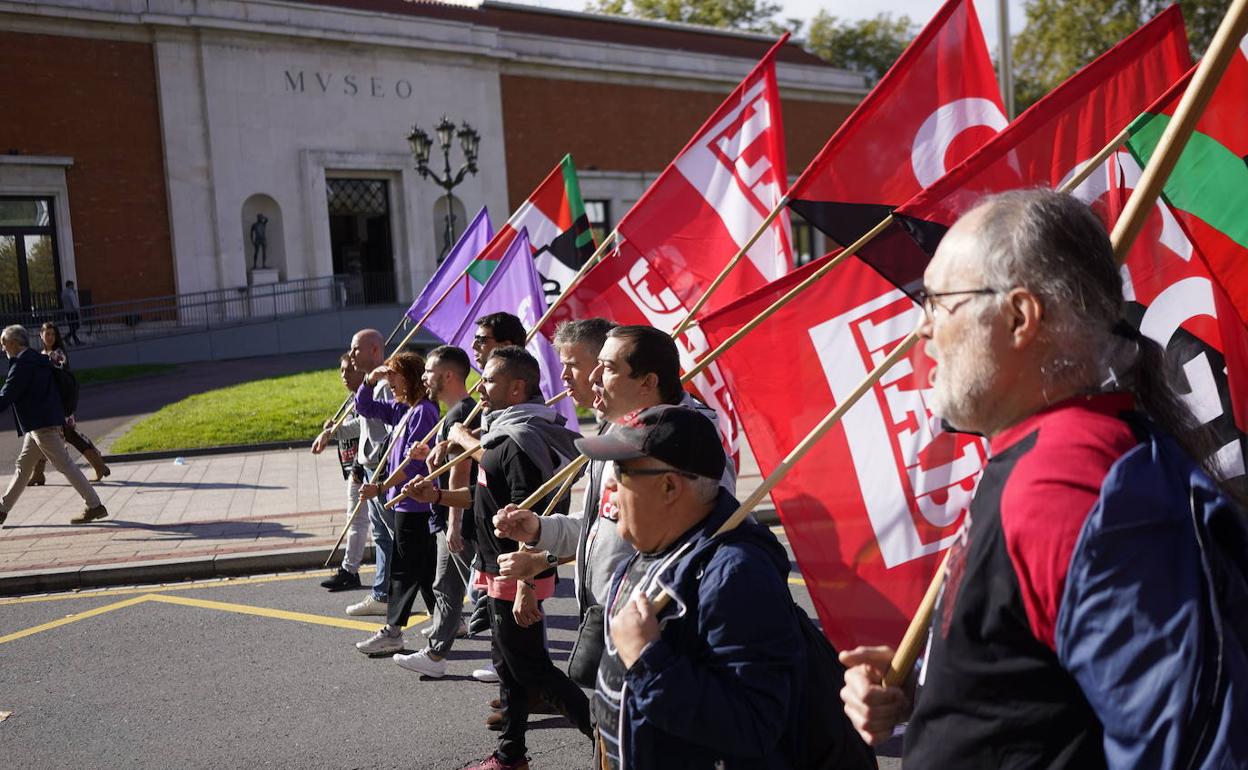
{"x": 17, "y": 333}
{"x": 1052, "y": 244}
{"x": 705, "y": 488}
{"x": 590, "y": 332}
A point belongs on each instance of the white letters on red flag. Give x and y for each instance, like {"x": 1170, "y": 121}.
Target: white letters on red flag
{"x": 692, "y": 221}
{"x": 934, "y": 106}
{"x": 870, "y": 507}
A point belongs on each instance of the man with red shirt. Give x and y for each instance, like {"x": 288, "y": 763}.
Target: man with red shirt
{"x": 1082, "y": 620}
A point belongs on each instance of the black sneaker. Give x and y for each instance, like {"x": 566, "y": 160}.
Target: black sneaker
{"x": 341, "y": 581}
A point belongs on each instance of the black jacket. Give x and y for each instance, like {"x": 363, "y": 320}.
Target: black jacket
{"x": 29, "y": 389}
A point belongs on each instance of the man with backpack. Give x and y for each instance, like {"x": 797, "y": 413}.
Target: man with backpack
{"x": 714, "y": 679}
{"x": 31, "y": 389}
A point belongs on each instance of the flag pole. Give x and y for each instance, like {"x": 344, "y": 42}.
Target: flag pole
{"x": 594, "y": 259}
{"x": 807, "y": 443}
{"x": 790, "y": 294}
{"x": 1225, "y": 45}
{"x": 381, "y": 465}
{"x": 706, "y": 295}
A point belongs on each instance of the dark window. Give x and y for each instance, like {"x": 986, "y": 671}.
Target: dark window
{"x": 598, "y": 212}
{"x": 359, "y": 237}
{"x": 803, "y": 239}
{"x": 30, "y": 270}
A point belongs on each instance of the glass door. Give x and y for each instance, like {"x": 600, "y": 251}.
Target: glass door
{"x": 30, "y": 271}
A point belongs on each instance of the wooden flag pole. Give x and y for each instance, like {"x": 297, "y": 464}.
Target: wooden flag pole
{"x": 594, "y": 259}
{"x": 807, "y": 443}
{"x": 790, "y": 294}
{"x": 706, "y": 295}
{"x": 563, "y": 490}
{"x": 1225, "y": 45}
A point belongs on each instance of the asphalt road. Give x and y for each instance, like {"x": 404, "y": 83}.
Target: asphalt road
{"x": 106, "y": 407}
{"x": 251, "y": 672}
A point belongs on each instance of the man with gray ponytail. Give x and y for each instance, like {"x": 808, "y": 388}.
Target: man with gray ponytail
{"x": 1087, "y": 618}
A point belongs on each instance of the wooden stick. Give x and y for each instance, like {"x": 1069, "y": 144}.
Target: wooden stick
{"x": 436, "y": 473}
{"x": 563, "y": 490}
{"x": 706, "y": 295}
{"x": 790, "y": 294}
{"x": 553, "y": 482}
{"x": 807, "y": 443}
{"x": 908, "y": 651}
{"x": 589, "y": 263}
{"x": 1225, "y": 45}
{"x": 381, "y": 466}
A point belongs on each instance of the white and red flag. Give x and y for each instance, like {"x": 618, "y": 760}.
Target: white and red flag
{"x": 692, "y": 221}
{"x": 935, "y": 105}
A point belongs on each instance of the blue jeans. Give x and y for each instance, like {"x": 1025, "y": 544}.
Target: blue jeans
{"x": 382, "y": 522}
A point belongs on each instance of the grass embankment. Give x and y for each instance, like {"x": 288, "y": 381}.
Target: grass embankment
{"x": 102, "y": 374}
{"x": 287, "y": 408}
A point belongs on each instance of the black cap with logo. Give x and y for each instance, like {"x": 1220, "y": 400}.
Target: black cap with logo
{"x": 675, "y": 435}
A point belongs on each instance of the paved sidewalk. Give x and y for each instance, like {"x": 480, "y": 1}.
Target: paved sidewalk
{"x": 210, "y": 516}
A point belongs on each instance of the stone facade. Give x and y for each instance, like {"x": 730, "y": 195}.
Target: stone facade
{"x": 178, "y": 120}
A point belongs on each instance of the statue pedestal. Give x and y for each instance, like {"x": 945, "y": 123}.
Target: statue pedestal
{"x": 264, "y": 286}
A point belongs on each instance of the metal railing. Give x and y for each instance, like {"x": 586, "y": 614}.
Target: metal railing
{"x": 112, "y": 322}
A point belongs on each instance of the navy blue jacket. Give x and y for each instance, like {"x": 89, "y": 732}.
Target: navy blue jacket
{"x": 720, "y": 683}
{"x": 29, "y": 388}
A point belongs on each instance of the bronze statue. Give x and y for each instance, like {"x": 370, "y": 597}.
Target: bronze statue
{"x": 259, "y": 241}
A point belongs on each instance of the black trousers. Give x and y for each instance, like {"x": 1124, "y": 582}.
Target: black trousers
{"x": 524, "y": 667}
{"x": 412, "y": 566}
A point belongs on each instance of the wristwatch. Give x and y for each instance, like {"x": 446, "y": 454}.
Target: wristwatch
{"x": 551, "y": 559}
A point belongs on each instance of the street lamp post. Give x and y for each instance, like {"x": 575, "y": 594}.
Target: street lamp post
{"x": 422, "y": 144}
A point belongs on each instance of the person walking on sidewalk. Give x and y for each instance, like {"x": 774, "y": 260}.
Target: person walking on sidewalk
{"x": 69, "y": 304}
{"x": 412, "y": 567}
{"x": 29, "y": 389}
{"x": 347, "y": 576}
{"x": 368, "y": 351}
{"x": 54, "y": 349}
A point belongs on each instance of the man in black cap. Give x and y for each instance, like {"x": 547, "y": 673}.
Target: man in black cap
{"x": 711, "y": 680}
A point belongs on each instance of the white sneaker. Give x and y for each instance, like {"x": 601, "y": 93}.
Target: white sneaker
{"x": 370, "y": 606}
{"x": 382, "y": 642}
{"x": 487, "y": 674}
{"x": 421, "y": 663}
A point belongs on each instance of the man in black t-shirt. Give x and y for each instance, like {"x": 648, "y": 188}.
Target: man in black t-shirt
{"x": 445, "y": 378}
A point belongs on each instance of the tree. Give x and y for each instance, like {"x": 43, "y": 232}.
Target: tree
{"x": 754, "y": 15}
{"x": 869, "y": 46}
{"x": 1063, "y": 35}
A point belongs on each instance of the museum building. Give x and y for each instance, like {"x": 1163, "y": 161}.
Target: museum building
{"x": 144, "y": 139}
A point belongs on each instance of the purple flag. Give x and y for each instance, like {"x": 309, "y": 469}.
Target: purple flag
{"x": 446, "y": 317}
{"x": 516, "y": 288}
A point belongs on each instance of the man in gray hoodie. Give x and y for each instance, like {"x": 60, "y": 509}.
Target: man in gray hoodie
{"x": 524, "y": 443}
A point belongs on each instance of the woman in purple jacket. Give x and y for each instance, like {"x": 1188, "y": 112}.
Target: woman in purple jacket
{"x": 412, "y": 564}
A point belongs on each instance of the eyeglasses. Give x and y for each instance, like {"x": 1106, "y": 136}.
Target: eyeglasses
{"x": 929, "y": 299}
{"x": 621, "y": 471}
{"x": 481, "y": 339}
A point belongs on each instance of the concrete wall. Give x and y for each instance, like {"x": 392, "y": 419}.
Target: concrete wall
{"x": 317, "y": 331}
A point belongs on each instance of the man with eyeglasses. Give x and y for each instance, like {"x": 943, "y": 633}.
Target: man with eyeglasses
{"x": 1088, "y": 617}
{"x": 638, "y": 368}
{"x": 524, "y": 444}
{"x": 711, "y": 680}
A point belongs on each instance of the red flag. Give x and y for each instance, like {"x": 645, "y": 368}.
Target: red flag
{"x": 692, "y": 220}
{"x": 1047, "y": 143}
{"x": 935, "y": 105}
{"x": 870, "y": 507}
{"x": 1173, "y": 298}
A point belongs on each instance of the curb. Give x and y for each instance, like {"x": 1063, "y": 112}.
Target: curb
{"x": 168, "y": 454}
{"x": 198, "y": 568}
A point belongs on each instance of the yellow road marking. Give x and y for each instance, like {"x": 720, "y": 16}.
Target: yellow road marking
{"x": 211, "y": 583}
{"x": 268, "y": 612}
{"x": 72, "y": 618}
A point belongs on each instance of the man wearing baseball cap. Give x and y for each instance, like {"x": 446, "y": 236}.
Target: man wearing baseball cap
{"x": 712, "y": 679}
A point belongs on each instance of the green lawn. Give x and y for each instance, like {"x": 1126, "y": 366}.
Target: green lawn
{"x": 118, "y": 373}
{"x": 287, "y": 408}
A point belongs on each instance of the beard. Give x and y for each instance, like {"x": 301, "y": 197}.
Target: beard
{"x": 965, "y": 374}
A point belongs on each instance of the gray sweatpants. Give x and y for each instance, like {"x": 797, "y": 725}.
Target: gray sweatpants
{"x": 449, "y": 584}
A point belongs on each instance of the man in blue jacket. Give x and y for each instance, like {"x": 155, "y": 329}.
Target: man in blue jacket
{"x": 30, "y": 389}
{"x": 710, "y": 681}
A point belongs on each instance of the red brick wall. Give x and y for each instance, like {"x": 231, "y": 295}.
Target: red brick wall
{"x": 95, "y": 101}
{"x": 626, "y": 128}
